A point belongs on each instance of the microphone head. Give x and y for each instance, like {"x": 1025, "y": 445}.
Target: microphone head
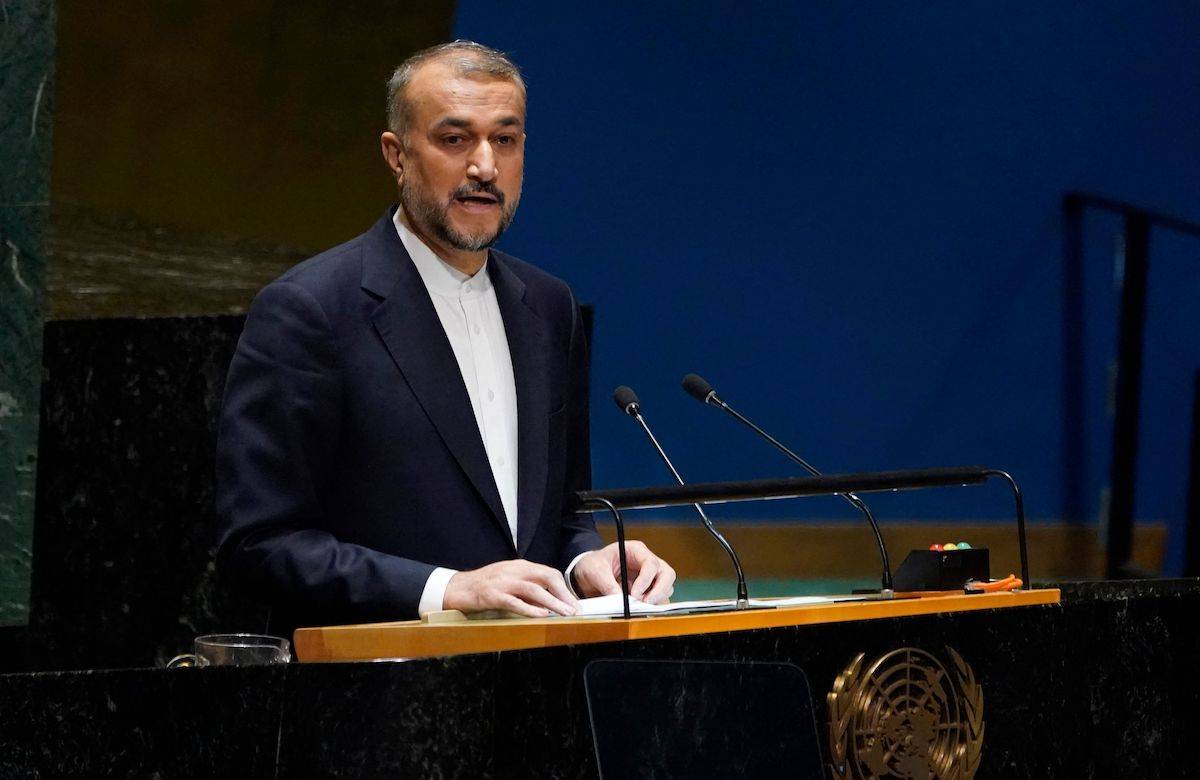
{"x": 697, "y": 388}
{"x": 626, "y": 400}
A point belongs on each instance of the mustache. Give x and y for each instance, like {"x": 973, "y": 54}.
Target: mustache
{"x": 485, "y": 187}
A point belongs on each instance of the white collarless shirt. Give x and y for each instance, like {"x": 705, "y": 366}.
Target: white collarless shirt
{"x": 470, "y": 316}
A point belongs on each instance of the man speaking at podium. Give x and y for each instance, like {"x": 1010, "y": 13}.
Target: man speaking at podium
{"x": 406, "y": 414}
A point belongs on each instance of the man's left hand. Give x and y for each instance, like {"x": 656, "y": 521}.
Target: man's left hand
{"x": 652, "y": 580}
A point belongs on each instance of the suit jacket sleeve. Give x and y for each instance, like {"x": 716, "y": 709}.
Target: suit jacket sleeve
{"x": 280, "y": 425}
{"x": 578, "y": 530}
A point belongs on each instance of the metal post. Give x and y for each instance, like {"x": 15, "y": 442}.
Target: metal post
{"x": 1191, "y": 560}
{"x": 1123, "y": 475}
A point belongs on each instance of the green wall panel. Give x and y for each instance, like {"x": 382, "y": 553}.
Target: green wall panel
{"x": 26, "y": 91}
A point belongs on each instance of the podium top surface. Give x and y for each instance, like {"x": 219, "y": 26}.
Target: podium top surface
{"x": 419, "y": 639}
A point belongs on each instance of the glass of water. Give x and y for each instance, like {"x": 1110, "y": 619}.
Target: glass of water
{"x": 234, "y": 650}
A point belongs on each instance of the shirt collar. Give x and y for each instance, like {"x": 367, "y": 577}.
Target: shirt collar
{"x": 439, "y": 276}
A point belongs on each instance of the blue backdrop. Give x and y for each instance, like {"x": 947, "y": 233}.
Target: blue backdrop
{"x": 846, "y": 216}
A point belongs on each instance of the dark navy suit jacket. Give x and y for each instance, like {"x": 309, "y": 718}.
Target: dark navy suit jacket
{"x": 349, "y": 461}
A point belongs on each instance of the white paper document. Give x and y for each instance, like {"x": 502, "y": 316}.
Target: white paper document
{"x": 796, "y": 601}
{"x": 603, "y": 606}
{"x": 607, "y": 606}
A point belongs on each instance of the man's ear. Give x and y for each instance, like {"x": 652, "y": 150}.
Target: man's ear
{"x": 393, "y": 153}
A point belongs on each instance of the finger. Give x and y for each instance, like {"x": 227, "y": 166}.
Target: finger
{"x": 552, "y": 580}
{"x": 664, "y": 586}
{"x": 635, "y": 552}
{"x": 533, "y": 593}
{"x": 649, "y": 570}
{"x": 606, "y": 584}
{"x": 597, "y": 579}
{"x": 511, "y": 603}
{"x": 558, "y": 588}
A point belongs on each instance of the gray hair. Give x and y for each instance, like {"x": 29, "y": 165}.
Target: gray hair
{"x": 466, "y": 58}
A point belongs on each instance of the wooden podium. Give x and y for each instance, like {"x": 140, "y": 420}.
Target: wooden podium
{"x": 421, "y": 639}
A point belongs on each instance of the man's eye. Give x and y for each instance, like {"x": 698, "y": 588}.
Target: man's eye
{"x": 506, "y": 140}
{"x": 452, "y": 140}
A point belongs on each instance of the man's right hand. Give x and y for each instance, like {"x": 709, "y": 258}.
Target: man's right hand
{"x": 521, "y": 587}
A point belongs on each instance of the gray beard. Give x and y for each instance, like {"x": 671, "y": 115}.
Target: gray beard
{"x": 432, "y": 217}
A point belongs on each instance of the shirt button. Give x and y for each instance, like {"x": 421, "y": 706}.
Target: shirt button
{"x": 491, "y": 396}
{"x": 499, "y": 461}
{"x": 467, "y": 287}
{"x": 476, "y": 330}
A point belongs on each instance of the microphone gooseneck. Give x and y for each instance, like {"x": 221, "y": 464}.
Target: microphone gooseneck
{"x": 626, "y": 400}
{"x": 702, "y": 391}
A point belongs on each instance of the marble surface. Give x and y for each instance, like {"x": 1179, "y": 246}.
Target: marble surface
{"x": 103, "y": 266}
{"x": 141, "y": 723}
{"x": 27, "y": 31}
{"x": 122, "y": 571}
{"x": 390, "y": 719}
{"x": 688, "y": 719}
{"x": 1097, "y": 686}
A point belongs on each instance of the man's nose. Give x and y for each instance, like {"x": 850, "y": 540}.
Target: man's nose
{"x": 481, "y": 166}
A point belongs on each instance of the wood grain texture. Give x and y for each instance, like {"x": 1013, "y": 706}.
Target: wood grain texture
{"x": 415, "y": 639}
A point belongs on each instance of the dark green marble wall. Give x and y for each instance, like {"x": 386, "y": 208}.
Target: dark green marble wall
{"x": 26, "y": 92}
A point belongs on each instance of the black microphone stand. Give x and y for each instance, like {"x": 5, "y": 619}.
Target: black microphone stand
{"x": 616, "y": 516}
{"x": 633, "y": 409}
{"x": 800, "y": 487}
{"x": 697, "y": 390}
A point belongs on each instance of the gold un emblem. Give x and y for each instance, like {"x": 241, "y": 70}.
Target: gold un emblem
{"x": 906, "y": 716}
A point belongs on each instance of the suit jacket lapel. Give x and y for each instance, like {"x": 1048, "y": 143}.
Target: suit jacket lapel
{"x": 410, "y": 329}
{"x": 528, "y": 345}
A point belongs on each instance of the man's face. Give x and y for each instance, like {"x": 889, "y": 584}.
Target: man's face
{"x": 462, "y": 161}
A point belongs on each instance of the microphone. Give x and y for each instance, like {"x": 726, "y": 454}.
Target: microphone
{"x": 627, "y": 401}
{"x": 697, "y": 387}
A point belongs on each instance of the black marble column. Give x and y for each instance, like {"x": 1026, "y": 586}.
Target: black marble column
{"x": 123, "y": 573}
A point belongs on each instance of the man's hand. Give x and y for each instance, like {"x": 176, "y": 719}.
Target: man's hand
{"x": 522, "y": 587}
{"x": 651, "y": 579}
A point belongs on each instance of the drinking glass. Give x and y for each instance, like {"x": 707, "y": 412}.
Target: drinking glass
{"x": 234, "y": 650}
